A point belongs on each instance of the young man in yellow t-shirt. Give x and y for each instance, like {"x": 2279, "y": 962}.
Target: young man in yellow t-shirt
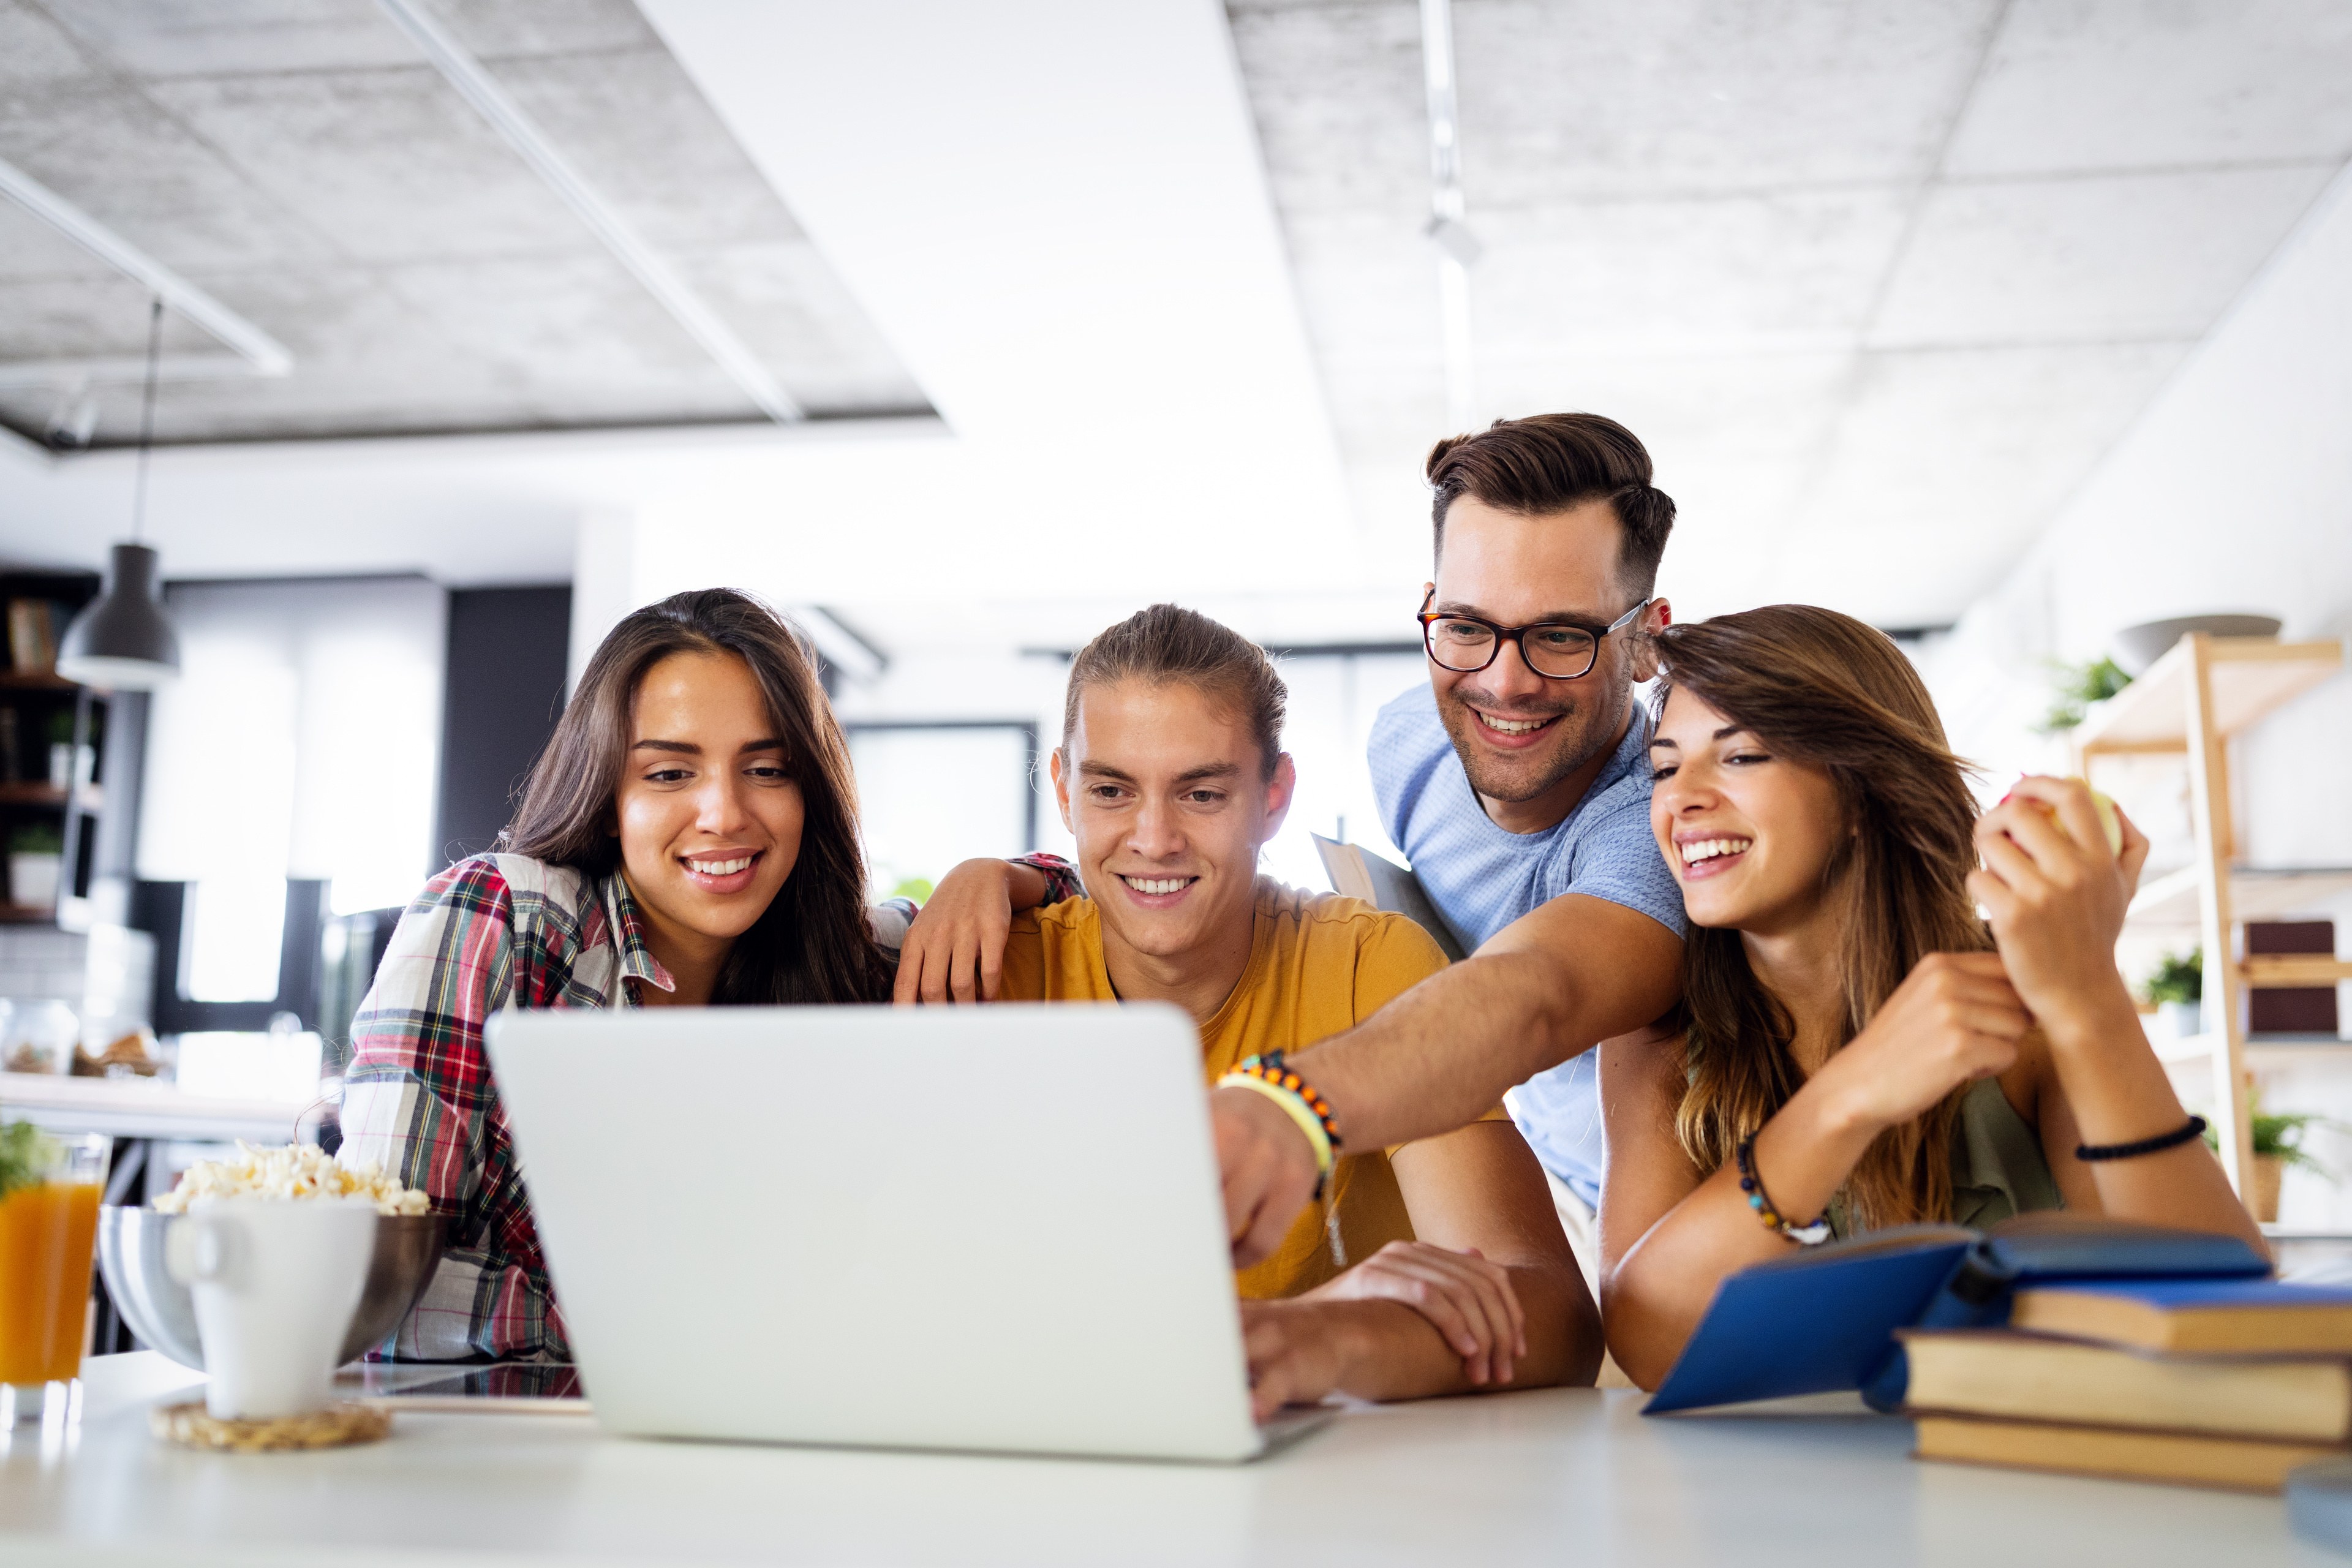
{"x": 1434, "y": 1268}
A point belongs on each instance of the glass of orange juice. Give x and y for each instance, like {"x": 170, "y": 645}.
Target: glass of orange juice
{"x": 49, "y": 1191}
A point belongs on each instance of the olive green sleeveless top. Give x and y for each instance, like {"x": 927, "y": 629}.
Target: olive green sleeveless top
{"x": 1998, "y": 1168}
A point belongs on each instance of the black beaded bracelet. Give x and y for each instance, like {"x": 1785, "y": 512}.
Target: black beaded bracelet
{"x": 1809, "y": 1235}
{"x": 2194, "y": 1127}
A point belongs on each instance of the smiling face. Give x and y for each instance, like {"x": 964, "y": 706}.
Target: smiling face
{"x": 1531, "y": 745}
{"x": 1165, "y": 790}
{"x": 1747, "y": 833}
{"x": 707, "y": 814}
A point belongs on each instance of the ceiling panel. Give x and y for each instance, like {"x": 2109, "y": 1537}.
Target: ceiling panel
{"x": 1562, "y": 101}
{"x": 121, "y": 158}
{"x": 300, "y": 160}
{"x": 2081, "y": 85}
{"x": 635, "y": 126}
{"x": 34, "y": 49}
{"x": 1733, "y": 273}
{"x": 2092, "y": 258}
{"x": 1337, "y": 93}
{"x": 1946, "y": 463}
{"x": 389, "y": 165}
{"x": 1877, "y": 285}
{"x": 173, "y": 38}
{"x": 31, "y": 248}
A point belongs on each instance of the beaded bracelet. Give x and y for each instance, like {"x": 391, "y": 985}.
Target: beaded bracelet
{"x": 1270, "y": 1076}
{"x": 1809, "y": 1235}
{"x": 2193, "y": 1128}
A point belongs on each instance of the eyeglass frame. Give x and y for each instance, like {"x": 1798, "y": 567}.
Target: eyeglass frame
{"x": 1517, "y": 635}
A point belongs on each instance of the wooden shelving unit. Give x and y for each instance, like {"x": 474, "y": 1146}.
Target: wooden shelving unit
{"x": 2190, "y": 702}
{"x": 47, "y": 708}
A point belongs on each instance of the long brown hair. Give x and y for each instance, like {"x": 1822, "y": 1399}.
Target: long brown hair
{"x": 1829, "y": 692}
{"x": 812, "y": 944}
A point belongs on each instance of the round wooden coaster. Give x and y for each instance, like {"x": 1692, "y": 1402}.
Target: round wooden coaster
{"x": 191, "y": 1425}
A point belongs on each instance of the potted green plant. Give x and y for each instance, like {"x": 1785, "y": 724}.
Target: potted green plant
{"x": 2074, "y": 686}
{"x": 35, "y": 855}
{"x": 2278, "y": 1144}
{"x": 2178, "y": 989}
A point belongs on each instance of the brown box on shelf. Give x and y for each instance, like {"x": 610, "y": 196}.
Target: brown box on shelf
{"x": 2290, "y": 1010}
{"x": 32, "y": 637}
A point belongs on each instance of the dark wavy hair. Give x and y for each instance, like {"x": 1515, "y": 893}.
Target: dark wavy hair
{"x": 1550, "y": 462}
{"x": 1830, "y": 693}
{"x": 813, "y": 942}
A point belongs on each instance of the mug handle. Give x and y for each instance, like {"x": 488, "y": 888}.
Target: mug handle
{"x": 197, "y": 1251}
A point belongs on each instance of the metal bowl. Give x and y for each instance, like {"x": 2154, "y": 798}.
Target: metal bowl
{"x": 2137, "y": 648}
{"x": 157, "y": 1306}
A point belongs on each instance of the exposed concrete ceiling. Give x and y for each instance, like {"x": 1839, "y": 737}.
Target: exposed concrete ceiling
{"x": 303, "y": 163}
{"x": 1879, "y": 284}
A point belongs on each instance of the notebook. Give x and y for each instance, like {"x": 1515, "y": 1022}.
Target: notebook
{"x": 2212, "y": 1316}
{"x": 2004, "y": 1374}
{"x": 2239, "y": 1464}
{"x": 1824, "y": 1319}
{"x": 1356, "y": 873}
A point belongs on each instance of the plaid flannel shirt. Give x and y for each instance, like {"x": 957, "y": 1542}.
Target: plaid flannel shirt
{"x": 491, "y": 932}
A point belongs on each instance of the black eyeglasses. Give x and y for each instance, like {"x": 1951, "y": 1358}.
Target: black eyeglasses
{"x": 1557, "y": 650}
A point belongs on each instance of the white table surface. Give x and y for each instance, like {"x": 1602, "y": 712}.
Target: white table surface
{"x": 1553, "y": 1476}
{"x": 147, "y": 1108}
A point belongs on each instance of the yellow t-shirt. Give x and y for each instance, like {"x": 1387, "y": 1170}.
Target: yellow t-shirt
{"x": 1318, "y": 964}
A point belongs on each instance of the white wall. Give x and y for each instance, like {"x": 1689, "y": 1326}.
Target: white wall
{"x": 2233, "y": 492}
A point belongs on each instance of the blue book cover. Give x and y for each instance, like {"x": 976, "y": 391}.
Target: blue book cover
{"x": 1823, "y": 1321}
{"x": 1808, "y": 1324}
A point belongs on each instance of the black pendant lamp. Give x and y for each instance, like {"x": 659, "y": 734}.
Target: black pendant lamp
{"x": 123, "y": 641}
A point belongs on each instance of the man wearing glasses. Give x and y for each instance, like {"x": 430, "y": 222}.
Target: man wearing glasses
{"x": 1519, "y": 785}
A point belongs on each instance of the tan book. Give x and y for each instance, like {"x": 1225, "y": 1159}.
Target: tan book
{"x": 2240, "y": 1464}
{"x": 32, "y": 641}
{"x": 1356, "y": 873}
{"x": 1997, "y": 1373}
{"x": 2215, "y": 1317}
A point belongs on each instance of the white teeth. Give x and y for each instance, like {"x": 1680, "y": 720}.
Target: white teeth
{"x": 1708, "y": 848}
{"x": 719, "y": 868}
{"x": 1512, "y": 726}
{"x": 1157, "y": 884}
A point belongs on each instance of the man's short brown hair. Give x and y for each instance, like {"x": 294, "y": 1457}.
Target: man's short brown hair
{"x": 1550, "y": 462}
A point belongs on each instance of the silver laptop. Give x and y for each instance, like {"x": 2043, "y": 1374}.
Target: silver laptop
{"x": 990, "y": 1228}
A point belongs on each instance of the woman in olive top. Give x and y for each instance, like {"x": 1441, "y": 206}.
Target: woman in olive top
{"x": 1438, "y": 1266}
{"x": 1855, "y": 1048}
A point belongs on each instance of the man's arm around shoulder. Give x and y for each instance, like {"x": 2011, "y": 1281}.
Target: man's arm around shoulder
{"x": 1555, "y": 983}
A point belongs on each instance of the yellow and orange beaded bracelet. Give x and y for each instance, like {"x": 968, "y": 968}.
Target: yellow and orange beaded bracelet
{"x": 1268, "y": 1075}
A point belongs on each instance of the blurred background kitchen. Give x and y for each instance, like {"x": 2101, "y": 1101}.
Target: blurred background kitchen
{"x": 419, "y": 340}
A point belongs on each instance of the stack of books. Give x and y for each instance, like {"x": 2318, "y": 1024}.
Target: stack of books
{"x": 2223, "y": 1382}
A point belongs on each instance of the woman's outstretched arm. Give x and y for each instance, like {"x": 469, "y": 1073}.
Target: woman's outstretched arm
{"x": 1954, "y": 1019}
{"x": 2056, "y": 897}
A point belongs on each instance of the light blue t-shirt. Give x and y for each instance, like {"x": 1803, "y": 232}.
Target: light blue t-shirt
{"x": 1482, "y": 877}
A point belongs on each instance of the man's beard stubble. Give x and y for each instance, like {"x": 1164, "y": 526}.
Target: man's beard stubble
{"x": 1585, "y": 730}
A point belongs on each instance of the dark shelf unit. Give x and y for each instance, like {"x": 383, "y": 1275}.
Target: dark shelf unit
{"x": 90, "y": 885}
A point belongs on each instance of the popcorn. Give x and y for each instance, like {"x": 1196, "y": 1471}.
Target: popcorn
{"x": 296, "y": 1170}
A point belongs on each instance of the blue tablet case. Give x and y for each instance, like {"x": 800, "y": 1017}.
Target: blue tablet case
{"x": 1809, "y": 1325}
{"x": 1823, "y": 1321}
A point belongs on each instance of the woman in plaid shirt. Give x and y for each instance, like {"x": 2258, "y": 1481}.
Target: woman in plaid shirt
{"x": 689, "y": 837}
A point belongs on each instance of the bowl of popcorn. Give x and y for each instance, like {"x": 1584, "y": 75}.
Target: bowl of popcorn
{"x": 157, "y": 1307}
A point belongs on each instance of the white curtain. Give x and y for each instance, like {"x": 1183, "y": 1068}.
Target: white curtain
{"x": 302, "y": 739}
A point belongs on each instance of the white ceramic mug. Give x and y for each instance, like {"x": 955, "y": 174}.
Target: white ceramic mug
{"x": 275, "y": 1283}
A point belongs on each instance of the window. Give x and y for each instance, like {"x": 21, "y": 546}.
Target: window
{"x": 301, "y": 744}
{"x": 933, "y": 794}
{"x": 1334, "y": 698}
